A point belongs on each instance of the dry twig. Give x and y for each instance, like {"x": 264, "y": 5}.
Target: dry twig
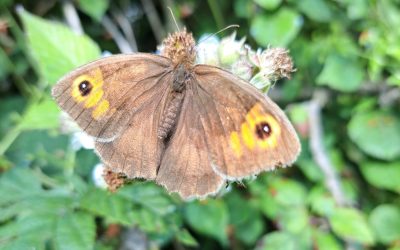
{"x": 72, "y": 17}
{"x": 154, "y": 20}
{"x": 332, "y": 181}
{"x": 126, "y": 27}
{"x": 119, "y": 39}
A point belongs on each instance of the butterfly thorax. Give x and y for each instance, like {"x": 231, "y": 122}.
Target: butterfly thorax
{"x": 179, "y": 47}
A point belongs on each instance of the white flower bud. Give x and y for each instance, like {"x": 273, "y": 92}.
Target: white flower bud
{"x": 98, "y": 176}
{"x": 230, "y": 50}
{"x": 207, "y": 51}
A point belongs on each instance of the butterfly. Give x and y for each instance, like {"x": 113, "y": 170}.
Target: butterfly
{"x": 189, "y": 127}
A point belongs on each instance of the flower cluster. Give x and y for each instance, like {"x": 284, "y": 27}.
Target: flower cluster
{"x": 261, "y": 68}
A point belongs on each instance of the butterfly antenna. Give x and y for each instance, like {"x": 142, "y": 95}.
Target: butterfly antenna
{"x": 209, "y": 36}
{"x": 173, "y": 17}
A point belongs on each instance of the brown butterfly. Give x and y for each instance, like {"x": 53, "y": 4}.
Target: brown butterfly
{"x": 188, "y": 127}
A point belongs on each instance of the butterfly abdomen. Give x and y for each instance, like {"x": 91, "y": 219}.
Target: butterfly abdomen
{"x": 170, "y": 115}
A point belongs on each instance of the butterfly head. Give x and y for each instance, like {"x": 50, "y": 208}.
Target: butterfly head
{"x": 179, "y": 47}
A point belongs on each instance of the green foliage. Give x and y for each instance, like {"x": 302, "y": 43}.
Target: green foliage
{"x": 346, "y": 49}
{"x": 351, "y": 224}
{"x": 276, "y": 30}
{"x": 56, "y": 48}
{"x": 94, "y": 8}
{"x": 376, "y": 133}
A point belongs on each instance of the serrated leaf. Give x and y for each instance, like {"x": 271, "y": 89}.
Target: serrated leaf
{"x": 349, "y": 223}
{"x": 75, "y": 231}
{"x": 150, "y": 196}
{"x": 94, "y": 8}
{"x": 277, "y": 30}
{"x": 111, "y": 206}
{"x": 55, "y": 47}
{"x": 34, "y": 226}
{"x": 385, "y": 222}
{"x": 209, "y": 217}
{"x": 341, "y": 73}
{"x": 376, "y": 133}
{"x": 17, "y": 184}
{"x": 382, "y": 175}
{"x": 42, "y": 115}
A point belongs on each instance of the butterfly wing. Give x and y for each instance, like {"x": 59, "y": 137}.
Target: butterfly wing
{"x": 245, "y": 131}
{"x": 186, "y": 164}
{"x": 121, "y": 110}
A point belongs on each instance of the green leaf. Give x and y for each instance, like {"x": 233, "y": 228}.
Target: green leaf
{"x": 385, "y": 222}
{"x": 268, "y": 4}
{"x": 349, "y": 223}
{"x": 357, "y": 9}
{"x": 376, "y": 133}
{"x": 288, "y": 192}
{"x": 277, "y": 30}
{"x": 245, "y": 219}
{"x": 150, "y": 196}
{"x": 111, "y": 206}
{"x": 38, "y": 145}
{"x": 294, "y": 220}
{"x": 55, "y": 47}
{"x": 32, "y": 226}
{"x": 263, "y": 197}
{"x": 184, "y": 237}
{"x": 321, "y": 201}
{"x": 382, "y": 175}
{"x": 208, "y": 217}
{"x": 341, "y": 73}
{"x": 42, "y": 115}
{"x": 75, "y": 231}
{"x": 94, "y": 8}
{"x": 17, "y": 184}
{"x": 277, "y": 241}
{"x": 325, "y": 240}
{"x": 316, "y": 10}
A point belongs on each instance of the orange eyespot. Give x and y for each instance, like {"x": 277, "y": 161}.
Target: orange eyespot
{"x": 258, "y": 130}
{"x": 88, "y": 88}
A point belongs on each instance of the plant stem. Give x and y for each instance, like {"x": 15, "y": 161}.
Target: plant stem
{"x": 154, "y": 20}
{"x": 9, "y": 138}
{"x": 216, "y": 12}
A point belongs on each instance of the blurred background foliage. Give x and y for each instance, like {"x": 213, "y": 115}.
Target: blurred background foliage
{"x": 342, "y": 193}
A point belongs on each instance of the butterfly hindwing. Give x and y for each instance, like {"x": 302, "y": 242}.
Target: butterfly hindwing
{"x": 245, "y": 131}
{"x": 186, "y": 166}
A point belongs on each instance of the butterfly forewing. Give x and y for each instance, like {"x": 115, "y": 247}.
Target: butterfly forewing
{"x": 127, "y": 96}
{"x": 102, "y": 96}
{"x": 137, "y": 152}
